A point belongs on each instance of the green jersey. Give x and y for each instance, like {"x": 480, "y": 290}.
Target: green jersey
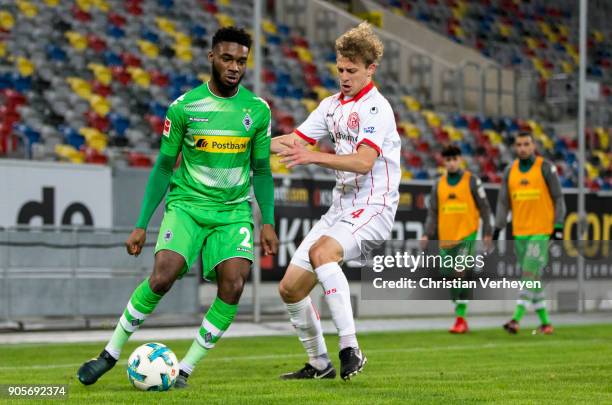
{"x": 219, "y": 138}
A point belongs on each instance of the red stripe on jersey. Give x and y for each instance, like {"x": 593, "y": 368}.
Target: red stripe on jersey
{"x": 361, "y": 93}
{"x": 304, "y": 136}
{"x": 387, "y": 168}
{"x": 370, "y": 144}
{"x": 365, "y": 223}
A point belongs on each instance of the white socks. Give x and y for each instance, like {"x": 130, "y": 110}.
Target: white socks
{"x": 305, "y": 320}
{"x": 338, "y": 298}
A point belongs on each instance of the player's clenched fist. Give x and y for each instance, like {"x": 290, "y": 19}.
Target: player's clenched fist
{"x": 136, "y": 241}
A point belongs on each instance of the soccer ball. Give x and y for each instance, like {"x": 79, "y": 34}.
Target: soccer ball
{"x": 153, "y": 367}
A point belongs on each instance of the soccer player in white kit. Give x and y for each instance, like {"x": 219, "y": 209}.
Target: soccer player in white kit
{"x": 361, "y": 125}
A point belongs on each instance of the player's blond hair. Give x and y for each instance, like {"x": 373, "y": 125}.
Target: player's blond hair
{"x": 360, "y": 43}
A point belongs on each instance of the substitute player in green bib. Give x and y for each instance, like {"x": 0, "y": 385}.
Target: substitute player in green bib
{"x": 532, "y": 192}
{"x": 457, "y": 204}
{"x": 223, "y": 132}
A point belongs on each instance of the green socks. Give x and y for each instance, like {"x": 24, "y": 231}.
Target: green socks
{"x": 460, "y": 309}
{"x": 519, "y": 312}
{"x": 218, "y": 318}
{"x": 142, "y": 303}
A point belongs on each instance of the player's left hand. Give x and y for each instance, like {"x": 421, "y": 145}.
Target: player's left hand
{"x": 296, "y": 154}
{"x": 269, "y": 240}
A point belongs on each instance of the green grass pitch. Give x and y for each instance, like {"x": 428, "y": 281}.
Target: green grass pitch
{"x": 485, "y": 366}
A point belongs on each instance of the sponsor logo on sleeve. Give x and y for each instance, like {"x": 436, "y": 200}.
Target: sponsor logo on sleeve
{"x": 369, "y": 130}
{"x": 167, "y": 127}
{"x": 374, "y": 110}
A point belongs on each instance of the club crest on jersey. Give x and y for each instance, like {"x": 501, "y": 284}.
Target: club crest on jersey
{"x": 247, "y": 121}
{"x": 167, "y": 126}
{"x": 353, "y": 121}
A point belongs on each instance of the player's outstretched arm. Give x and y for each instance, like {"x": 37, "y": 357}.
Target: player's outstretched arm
{"x": 158, "y": 183}
{"x": 360, "y": 162}
{"x": 278, "y": 143}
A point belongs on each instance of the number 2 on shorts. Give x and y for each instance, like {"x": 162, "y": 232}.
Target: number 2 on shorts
{"x": 246, "y": 242}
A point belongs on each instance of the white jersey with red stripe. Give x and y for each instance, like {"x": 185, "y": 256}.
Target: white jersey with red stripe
{"x": 365, "y": 119}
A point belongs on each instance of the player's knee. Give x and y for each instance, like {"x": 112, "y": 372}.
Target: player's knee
{"x": 320, "y": 254}
{"x": 160, "y": 283}
{"x": 230, "y": 290}
{"x": 289, "y": 292}
{"x": 163, "y": 275}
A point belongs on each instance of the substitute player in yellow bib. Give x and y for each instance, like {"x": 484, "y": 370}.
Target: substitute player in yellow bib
{"x": 456, "y": 205}
{"x": 531, "y": 190}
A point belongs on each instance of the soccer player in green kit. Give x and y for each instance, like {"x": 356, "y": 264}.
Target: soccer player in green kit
{"x": 223, "y": 131}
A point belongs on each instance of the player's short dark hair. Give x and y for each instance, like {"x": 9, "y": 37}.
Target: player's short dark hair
{"x": 232, "y": 34}
{"x": 525, "y": 133}
{"x": 451, "y": 151}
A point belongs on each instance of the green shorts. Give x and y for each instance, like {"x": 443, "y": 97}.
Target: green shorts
{"x": 465, "y": 247}
{"x": 219, "y": 235}
{"x": 531, "y": 253}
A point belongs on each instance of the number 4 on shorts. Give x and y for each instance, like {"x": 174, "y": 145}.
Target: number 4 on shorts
{"x": 356, "y": 214}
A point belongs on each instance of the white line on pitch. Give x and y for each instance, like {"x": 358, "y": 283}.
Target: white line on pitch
{"x": 374, "y": 351}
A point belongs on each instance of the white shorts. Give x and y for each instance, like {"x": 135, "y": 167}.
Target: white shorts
{"x": 349, "y": 228}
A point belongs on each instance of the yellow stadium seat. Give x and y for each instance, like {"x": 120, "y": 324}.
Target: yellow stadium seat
{"x": 26, "y": 8}
{"x": 94, "y": 138}
{"x": 99, "y": 104}
{"x": 453, "y": 133}
{"x": 184, "y": 53}
{"x": 165, "y": 25}
{"x": 598, "y": 36}
{"x": 77, "y": 41}
{"x": 494, "y": 137}
{"x": 101, "y": 73}
{"x": 269, "y": 27}
{"x": 563, "y": 30}
{"x": 433, "y": 120}
{"x": 140, "y": 76}
{"x": 52, "y": 3}
{"x": 25, "y": 67}
{"x": 204, "y": 77}
{"x": 567, "y": 67}
{"x": 603, "y": 158}
{"x": 310, "y": 104}
{"x": 604, "y": 138}
{"x": 410, "y": 130}
{"x": 81, "y": 87}
{"x": 181, "y": 38}
{"x": 7, "y": 21}
{"x": 101, "y": 5}
{"x": 2, "y": 49}
{"x": 224, "y": 20}
{"x": 407, "y": 174}
{"x": 592, "y": 171}
{"x": 322, "y": 92}
{"x": 459, "y": 32}
{"x": 531, "y": 43}
{"x": 84, "y": 4}
{"x": 333, "y": 69}
{"x": 224, "y": 2}
{"x": 411, "y": 103}
{"x": 572, "y": 51}
{"x": 304, "y": 54}
{"x": 69, "y": 153}
{"x": 505, "y": 30}
{"x": 148, "y": 48}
